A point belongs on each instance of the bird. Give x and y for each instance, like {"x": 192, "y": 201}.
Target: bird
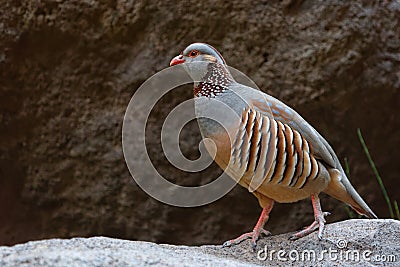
{"x": 267, "y": 147}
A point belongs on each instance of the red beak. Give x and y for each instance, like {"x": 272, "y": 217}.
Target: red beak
{"x": 177, "y": 60}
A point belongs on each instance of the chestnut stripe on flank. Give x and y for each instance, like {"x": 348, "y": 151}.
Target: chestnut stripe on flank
{"x": 250, "y": 123}
{"x": 254, "y": 144}
{"x": 300, "y": 179}
{"x": 281, "y": 155}
{"x": 265, "y": 137}
{"x": 297, "y": 140}
{"x": 247, "y": 138}
{"x": 259, "y": 142}
{"x": 271, "y": 154}
{"x": 291, "y": 157}
{"x": 313, "y": 171}
{"x": 240, "y": 137}
{"x": 261, "y": 165}
{"x": 307, "y": 167}
{"x": 306, "y": 148}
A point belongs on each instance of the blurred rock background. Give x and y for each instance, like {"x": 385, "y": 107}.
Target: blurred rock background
{"x": 69, "y": 68}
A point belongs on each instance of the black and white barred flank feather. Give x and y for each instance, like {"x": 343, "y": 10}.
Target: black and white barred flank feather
{"x": 271, "y": 152}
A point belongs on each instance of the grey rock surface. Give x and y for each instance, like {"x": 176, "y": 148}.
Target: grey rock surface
{"x": 376, "y": 242}
{"x": 103, "y": 251}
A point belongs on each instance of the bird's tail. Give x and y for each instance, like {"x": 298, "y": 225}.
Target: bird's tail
{"x": 340, "y": 188}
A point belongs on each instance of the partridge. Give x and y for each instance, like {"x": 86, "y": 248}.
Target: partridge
{"x": 267, "y": 147}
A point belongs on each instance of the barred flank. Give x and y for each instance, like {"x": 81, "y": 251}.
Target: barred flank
{"x": 269, "y": 151}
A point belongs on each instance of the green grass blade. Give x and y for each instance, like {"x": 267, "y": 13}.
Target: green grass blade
{"x": 350, "y": 213}
{"x": 378, "y": 177}
{"x": 396, "y": 208}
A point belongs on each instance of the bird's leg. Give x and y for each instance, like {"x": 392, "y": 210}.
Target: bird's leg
{"x": 257, "y": 231}
{"x": 319, "y": 222}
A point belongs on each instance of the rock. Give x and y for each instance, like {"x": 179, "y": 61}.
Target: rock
{"x": 352, "y": 242}
{"x": 69, "y": 68}
{"x": 103, "y": 251}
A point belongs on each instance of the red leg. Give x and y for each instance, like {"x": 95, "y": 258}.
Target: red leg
{"x": 319, "y": 222}
{"x": 257, "y": 231}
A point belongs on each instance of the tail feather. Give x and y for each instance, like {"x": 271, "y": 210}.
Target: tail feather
{"x": 340, "y": 188}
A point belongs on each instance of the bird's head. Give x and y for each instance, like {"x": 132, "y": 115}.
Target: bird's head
{"x": 203, "y": 55}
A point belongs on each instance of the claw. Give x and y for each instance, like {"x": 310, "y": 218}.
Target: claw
{"x": 226, "y": 244}
{"x": 265, "y": 232}
{"x": 237, "y": 240}
{"x": 253, "y": 246}
{"x": 255, "y": 234}
{"x": 318, "y": 223}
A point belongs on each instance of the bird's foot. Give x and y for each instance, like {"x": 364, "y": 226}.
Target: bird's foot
{"x": 254, "y": 235}
{"x": 318, "y": 223}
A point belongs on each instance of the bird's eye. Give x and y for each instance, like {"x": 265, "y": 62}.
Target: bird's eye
{"x": 193, "y": 53}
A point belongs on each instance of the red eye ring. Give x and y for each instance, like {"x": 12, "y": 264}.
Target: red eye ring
{"x": 194, "y": 53}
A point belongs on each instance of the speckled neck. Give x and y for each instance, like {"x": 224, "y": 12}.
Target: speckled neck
{"x": 215, "y": 82}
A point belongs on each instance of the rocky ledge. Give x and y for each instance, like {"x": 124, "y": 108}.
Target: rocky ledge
{"x": 351, "y": 242}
